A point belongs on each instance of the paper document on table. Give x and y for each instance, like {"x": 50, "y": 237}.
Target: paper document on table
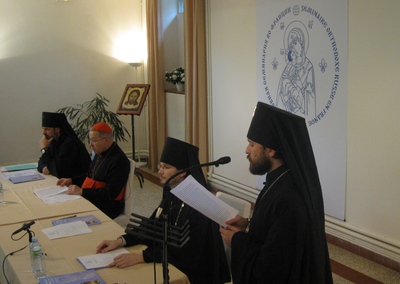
{"x": 90, "y": 220}
{"x": 67, "y": 230}
{"x": 80, "y": 277}
{"x": 22, "y": 179}
{"x": 22, "y": 176}
{"x": 100, "y": 260}
{"x": 19, "y": 167}
{"x": 49, "y": 191}
{"x": 23, "y": 173}
{"x": 193, "y": 193}
{"x": 55, "y": 194}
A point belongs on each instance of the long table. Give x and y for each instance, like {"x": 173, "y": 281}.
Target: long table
{"x": 22, "y": 205}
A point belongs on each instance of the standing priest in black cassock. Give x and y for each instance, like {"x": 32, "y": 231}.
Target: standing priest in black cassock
{"x": 284, "y": 241}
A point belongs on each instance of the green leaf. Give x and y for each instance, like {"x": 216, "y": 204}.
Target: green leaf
{"x": 83, "y": 116}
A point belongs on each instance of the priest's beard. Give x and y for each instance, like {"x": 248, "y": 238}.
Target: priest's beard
{"x": 54, "y": 136}
{"x": 260, "y": 166}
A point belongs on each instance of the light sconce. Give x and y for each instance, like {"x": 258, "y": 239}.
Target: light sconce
{"x": 136, "y": 64}
{"x": 129, "y": 47}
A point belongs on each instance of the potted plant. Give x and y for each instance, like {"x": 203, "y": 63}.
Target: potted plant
{"x": 177, "y": 77}
{"x": 83, "y": 116}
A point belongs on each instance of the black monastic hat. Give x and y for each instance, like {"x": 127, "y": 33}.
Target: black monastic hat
{"x": 53, "y": 119}
{"x": 182, "y": 155}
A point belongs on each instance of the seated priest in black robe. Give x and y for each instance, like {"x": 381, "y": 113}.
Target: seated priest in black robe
{"x": 63, "y": 153}
{"x": 284, "y": 241}
{"x": 104, "y": 183}
{"x": 202, "y": 258}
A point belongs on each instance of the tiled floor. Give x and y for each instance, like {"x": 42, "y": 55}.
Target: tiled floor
{"x": 347, "y": 267}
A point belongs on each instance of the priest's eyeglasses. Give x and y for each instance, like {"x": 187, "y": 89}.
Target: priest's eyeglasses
{"x": 164, "y": 167}
{"x": 95, "y": 141}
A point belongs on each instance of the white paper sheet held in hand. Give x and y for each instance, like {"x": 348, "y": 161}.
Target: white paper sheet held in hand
{"x": 55, "y": 194}
{"x": 193, "y": 193}
{"x": 100, "y": 260}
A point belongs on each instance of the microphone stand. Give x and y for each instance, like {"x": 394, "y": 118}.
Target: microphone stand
{"x": 165, "y": 212}
{"x": 165, "y": 249}
{"x": 29, "y": 234}
{"x": 26, "y": 227}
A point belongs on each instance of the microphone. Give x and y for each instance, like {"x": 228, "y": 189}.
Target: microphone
{"x": 24, "y": 227}
{"x": 160, "y": 208}
{"x": 220, "y": 161}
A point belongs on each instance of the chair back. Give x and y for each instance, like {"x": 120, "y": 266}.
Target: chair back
{"x": 123, "y": 219}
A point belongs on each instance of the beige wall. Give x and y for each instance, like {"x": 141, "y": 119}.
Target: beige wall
{"x": 373, "y": 190}
{"x": 55, "y": 54}
{"x": 373, "y": 160}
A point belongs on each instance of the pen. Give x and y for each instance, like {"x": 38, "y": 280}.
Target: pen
{"x": 73, "y": 216}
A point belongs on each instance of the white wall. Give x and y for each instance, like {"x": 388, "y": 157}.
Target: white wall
{"x": 175, "y": 104}
{"x": 372, "y": 188}
{"x": 173, "y": 36}
{"x": 173, "y": 45}
{"x": 55, "y": 54}
{"x": 232, "y": 70}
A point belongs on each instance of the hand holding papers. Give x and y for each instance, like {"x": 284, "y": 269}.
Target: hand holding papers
{"x": 49, "y": 191}
{"x": 199, "y": 198}
{"x": 100, "y": 260}
{"x": 54, "y": 194}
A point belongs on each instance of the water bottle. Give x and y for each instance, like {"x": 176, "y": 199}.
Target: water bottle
{"x": 1, "y": 193}
{"x": 37, "y": 261}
